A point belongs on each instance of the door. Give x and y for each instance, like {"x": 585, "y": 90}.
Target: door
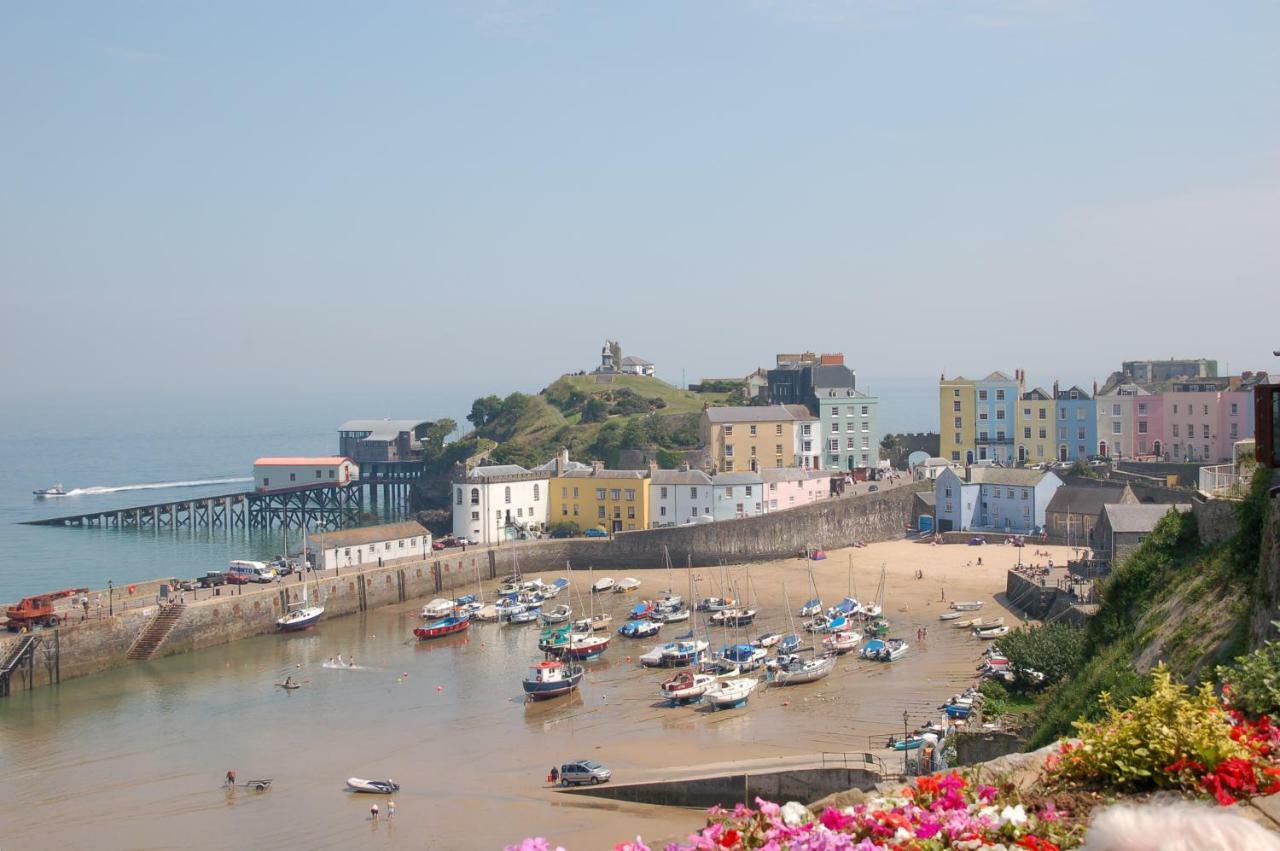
{"x": 1156, "y": 448}
{"x": 1022, "y": 454}
{"x": 968, "y": 458}
{"x": 1102, "y": 448}
{"x": 617, "y": 525}
{"x": 1062, "y": 454}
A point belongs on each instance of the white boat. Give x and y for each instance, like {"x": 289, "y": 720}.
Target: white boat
{"x": 792, "y": 670}
{"x": 601, "y": 585}
{"x": 683, "y": 653}
{"x": 733, "y": 617}
{"x": 45, "y": 493}
{"x": 507, "y": 589}
{"x": 768, "y": 639}
{"x": 841, "y": 642}
{"x": 715, "y": 604}
{"x": 376, "y": 787}
{"x": 551, "y": 591}
{"x": 966, "y": 606}
{"x": 949, "y": 616}
{"x": 981, "y": 623}
{"x": 871, "y": 610}
{"x": 654, "y": 658}
{"x": 671, "y": 617}
{"x": 301, "y": 615}
{"x": 730, "y": 694}
{"x": 992, "y": 632}
{"x": 625, "y": 585}
{"x": 893, "y": 650}
{"x": 686, "y": 687}
{"x": 557, "y": 614}
{"x": 721, "y": 669}
{"x": 487, "y": 612}
{"x": 438, "y": 608}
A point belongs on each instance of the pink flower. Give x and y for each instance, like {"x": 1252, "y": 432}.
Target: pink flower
{"x": 928, "y": 830}
{"x": 638, "y": 845}
{"x": 768, "y": 808}
{"x": 986, "y": 793}
{"x": 833, "y": 819}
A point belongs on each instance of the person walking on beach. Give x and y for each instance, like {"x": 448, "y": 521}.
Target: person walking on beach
{"x": 391, "y": 810}
{"x": 553, "y": 775}
{"x": 231, "y": 778}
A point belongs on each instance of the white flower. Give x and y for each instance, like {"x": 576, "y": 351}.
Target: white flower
{"x": 902, "y": 835}
{"x": 794, "y": 813}
{"x": 1013, "y": 815}
{"x": 987, "y": 812}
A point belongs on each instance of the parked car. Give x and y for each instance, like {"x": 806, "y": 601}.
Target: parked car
{"x": 283, "y": 566}
{"x": 584, "y": 771}
{"x": 212, "y": 579}
{"x": 232, "y": 578}
{"x": 873, "y": 489}
{"x": 596, "y": 532}
{"x": 437, "y": 544}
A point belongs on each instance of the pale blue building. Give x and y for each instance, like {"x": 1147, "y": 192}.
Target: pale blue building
{"x": 996, "y": 408}
{"x": 994, "y": 499}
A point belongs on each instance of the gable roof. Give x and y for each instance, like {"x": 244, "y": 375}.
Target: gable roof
{"x": 679, "y": 477}
{"x": 791, "y": 474}
{"x": 591, "y": 473}
{"x": 756, "y": 414}
{"x": 631, "y": 360}
{"x": 1082, "y": 499}
{"x": 1007, "y": 476}
{"x": 1037, "y": 394}
{"x": 381, "y": 429}
{"x": 367, "y": 535}
{"x": 1080, "y": 392}
{"x": 997, "y": 376}
{"x": 737, "y": 479}
{"x": 1138, "y": 518}
{"x": 833, "y": 375}
{"x": 495, "y": 470}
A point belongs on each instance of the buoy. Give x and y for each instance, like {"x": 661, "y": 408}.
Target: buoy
{"x": 439, "y": 689}
{"x": 786, "y": 703}
{"x": 405, "y": 675}
{"x": 628, "y": 658}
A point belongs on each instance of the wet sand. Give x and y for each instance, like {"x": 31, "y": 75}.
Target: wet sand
{"x": 134, "y": 757}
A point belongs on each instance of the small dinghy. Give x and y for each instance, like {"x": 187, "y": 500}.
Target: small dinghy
{"x": 626, "y": 585}
{"x": 721, "y": 669}
{"x": 730, "y": 694}
{"x": 487, "y": 613}
{"x": 991, "y": 632}
{"x": 948, "y": 616}
{"x": 686, "y": 687}
{"x": 375, "y": 787}
{"x": 553, "y": 590}
{"x": 841, "y": 642}
{"x": 768, "y": 639}
{"x": 557, "y": 614}
{"x": 260, "y": 785}
{"x": 640, "y": 611}
{"x": 966, "y": 606}
{"x": 909, "y": 743}
{"x": 601, "y": 585}
{"x": 674, "y": 616}
{"x": 525, "y": 616}
{"x": 639, "y": 629}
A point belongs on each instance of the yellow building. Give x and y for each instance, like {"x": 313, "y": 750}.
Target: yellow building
{"x": 612, "y": 500}
{"x": 761, "y": 437}
{"x": 1035, "y": 435}
{"x": 957, "y": 418}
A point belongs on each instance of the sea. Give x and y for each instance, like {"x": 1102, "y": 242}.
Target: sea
{"x": 113, "y": 451}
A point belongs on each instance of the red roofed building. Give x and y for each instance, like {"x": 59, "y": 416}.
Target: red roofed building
{"x": 290, "y": 473}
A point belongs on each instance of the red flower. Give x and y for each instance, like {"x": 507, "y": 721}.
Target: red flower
{"x": 729, "y": 838}
{"x": 1035, "y": 843}
{"x": 833, "y": 819}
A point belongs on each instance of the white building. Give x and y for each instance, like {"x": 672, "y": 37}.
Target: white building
{"x": 637, "y": 366}
{"x": 678, "y": 497}
{"x": 370, "y": 545}
{"x": 287, "y": 473}
{"x": 737, "y": 495}
{"x": 500, "y": 503}
{"x": 933, "y": 467}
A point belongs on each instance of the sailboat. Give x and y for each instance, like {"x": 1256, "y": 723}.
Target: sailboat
{"x": 302, "y": 615}
{"x": 588, "y": 645}
{"x": 812, "y": 606}
{"x": 873, "y": 610}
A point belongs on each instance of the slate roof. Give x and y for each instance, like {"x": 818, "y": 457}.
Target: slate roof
{"x": 833, "y": 375}
{"x": 1138, "y": 518}
{"x": 590, "y": 473}
{"x": 791, "y": 474}
{"x": 737, "y": 479}
{"x": 1006, "y": 476}
{"x": 1038, "y": 394}
{"x": 367, "y": 535}
{"x": 1082, "y": 499}
{"x": 497, "y": 470}
{"x": 381, "y": 429}
{"x": 679, "y": 477}
{"x": 631, "y": 360}
{"x": 757, "y": 414}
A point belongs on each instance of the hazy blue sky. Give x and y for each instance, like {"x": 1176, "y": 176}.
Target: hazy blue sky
{"x": 317, "y": 194}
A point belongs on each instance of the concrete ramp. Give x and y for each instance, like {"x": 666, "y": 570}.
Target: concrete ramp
{"x": 796, "y": 779}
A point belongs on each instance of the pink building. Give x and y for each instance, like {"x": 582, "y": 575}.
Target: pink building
{"x": 1203, "y": 425}
{"x": 1148, "y": 415}
{"x": 789, "y": 487}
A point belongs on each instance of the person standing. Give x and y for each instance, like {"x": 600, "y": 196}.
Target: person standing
{"x": 391, "y": 810}
{"x": 231, "y": 778}
{"x": 373, "y": 812}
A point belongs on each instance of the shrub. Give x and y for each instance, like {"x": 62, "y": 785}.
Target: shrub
{"x": 563, "y": 529}
{"x": 1056, "y": 650}
{"x": 1252, "y": 682}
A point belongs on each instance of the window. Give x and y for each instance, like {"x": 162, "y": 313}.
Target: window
{"x": 982, "y": 395}
{"x": 728, "y": 450}
{"x": 1175, "y": 407}
{"x": 777, "y": 449}
{"x": 957, "y": 440}
{"x": 1075, "y": 394}
{"x": 693, "y": 511}
{"x": 999, "y": 413}
{"x": 753, "y": 450}
{"x": 805, "y": 430}
{"x": 599, "y": 493}
{"x": 617, "y": 512}
{"x": 662, "y": 512}
{"x": 662, "y": 493}
{"x": 752, "y": 430}
{"x": 728, "y": 431}
{"x": 728, "y": 493}
{"x": 1043, "y": 432}
{"x": 475, "y": 496}
{"x": 1206, "y": 430}
{"x": 1026, "y": 433}
{"x": 958, "y": 423}
{"x": 1044, "y": 413}
{"x": 947, "y": 490}
{"x": 331, "y": 474}
{"x": 835, "y": 444}
{"x": 564, "y": 493}
{"x": 748, "y": 490}
{"x": 319, "y": 476}
{"x": 1026, "y": 412}
{"x": 506, "y": 494}
{"x": 999, "y": 435}
{"x": 1080, "y": 412}
{"x": 999, "y": 395}
{"x": 266, "y": 482}
{"x": 982, "y": 437}
{"x": 1080, "y": 433}
{"x": 835, "y": 410}
{"x": 693, "y": 493}
{"x": 1235, "y": 408}
{"x": 808, "y": 447}
{"x": 956, "y": 393}
{"x": 631, "y": 495}
{"x": 955, "y": 406}
{"x": 458, "y": 495}
{"x": 866, "y": 443}
{"x": 948, "y": 508}
{"x": 1062, "y": 413}
{"x": 1175, "y": 430}
{"x": 738, "y": 508}
{"x": 866, "y": 427}
{"x": 1115, "y": 428}
{"x": 866, "y": 410}
{"x": 1115, "y": 410}
{"x": 1025, "y": 493}
{"x": 519, "y": 512}
{"x": 955, "y": 456}
{"x": 1142, "y": 445}
{"x": 1235, "y": 430}
{"x": 536, "y": 492}
{"x": 777, "y": 430}
{"x": 850, "y": 426}
{"x": 575, "y": 493}
{"x": 1142, "y": 407}
{"x": 615, "y": 494}
{"x": 982, "y": 415}
{"x": 631, "y": 512}
{"x": 1008, "y": 493}
{"x": 475, "y": 515}
{"x": 849, "y": 444}
{"x": 1206, "y": 411}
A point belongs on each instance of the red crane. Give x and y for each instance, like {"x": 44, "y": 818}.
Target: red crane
{"x": 38, "y": 611}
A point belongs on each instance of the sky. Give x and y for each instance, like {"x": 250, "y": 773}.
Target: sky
{"x": 401, "y": 197}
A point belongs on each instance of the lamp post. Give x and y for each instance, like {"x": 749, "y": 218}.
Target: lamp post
{"x": 111, "y": 596}
{"x": 905, "y": 750}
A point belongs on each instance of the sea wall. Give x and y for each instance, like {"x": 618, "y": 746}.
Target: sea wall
{"x": 803, "y": 784}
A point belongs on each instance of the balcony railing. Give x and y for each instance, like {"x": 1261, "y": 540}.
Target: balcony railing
{"x": 1223, "y": 481}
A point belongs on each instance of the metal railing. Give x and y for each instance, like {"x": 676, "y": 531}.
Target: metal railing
{"x": 1223, "y": 481}
{"x": 839, "y": 759}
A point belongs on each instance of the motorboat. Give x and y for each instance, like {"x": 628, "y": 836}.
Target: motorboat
{"x": 640, "y": 610}
{"x": 747, "y": 657}
{"x": 949, "y": 616}
{"x": 768, "y": 639}
{"x": 686, "y": 687}
{"x": 966, "y": 606}
{"x": 733, "y": 617}
{"x": 992, "y": 632}
{"x": 841, "y": 642}
{"x": 730, "y": 694}
{"x": 528, "y": 615}
{"x": 907, "y": 743}
{"x": 639, "y": 629}
{"x": 715, "y": 604}
{"x": 587, "y": 646}
{"x": 375, "y": 787}
{"x": 655, "y": 658}
{"x": 684, "y": 653}
{"x": 468, "y": 604}
{"x": 669, "y": 603}
{"x": 557, "y": 614}
{"x": 792, "y": 670}
{"x": 721, "y": 669}
{"x": 438, "y": 608}
{"x": 45, "y": 493}
{"x": 549, "y": 679}
{"x": 673, "y": 616}
{"x": 871, "y": 649}
{"x": 888, "y": 650}
{"x": 959, "y": 711}
{"x": 811, "y": 608}
{"x": 299, "y": 618}
{"x": 554, "y": 640}
{"x": 551, "y": 591}
{"x": 626, "y": 585}
{"x": 601, "y": 585}
{"x": 487, "y": 613}
{"x": 443, "y": 627}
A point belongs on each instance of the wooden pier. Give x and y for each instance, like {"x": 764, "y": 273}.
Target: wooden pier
{"x": 324, "y": 507}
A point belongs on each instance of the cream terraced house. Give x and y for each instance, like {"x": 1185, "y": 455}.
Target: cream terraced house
{"x": 758, "y": 437}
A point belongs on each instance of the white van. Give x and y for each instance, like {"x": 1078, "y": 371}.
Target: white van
{"x": 253, "y": 571}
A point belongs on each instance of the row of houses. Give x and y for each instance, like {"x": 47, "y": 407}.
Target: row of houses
{"x": 996, "y": 418}
{"x": 506, "y": 502}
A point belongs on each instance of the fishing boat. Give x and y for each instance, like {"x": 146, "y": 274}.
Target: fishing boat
{"x": 949, "y": 616}
{"x": 557, "y": 614}
{"x": 640, "y": 610}
{"x": 730, "y": 694}
{"x": 549, "y": 679}
{"x": 438, "y": 608}
{"x": 626, "y": 585}
{"x": 554, "y": 640}
{"x": 45, "y": 493}
{"x": 601, "y": 585}
{"x": 966, "y": 606}
{"x": 639, "y": 629}
{"x": 768, "y": 639}
{"x": 733, "y": 617}
{"x": 841, "y": 642}
{"x": 686, "y": 687}
{"x": 451, "y": 625}
{"x": 375, "y": 787}
{"x": 792, "y": 670}
{"x": 586, "y": 646}
{"x": 684, "y": 652}
{"x": 991, "y": 632}
{"x": 715, "y": 604}
{"x": 747, "y": 657}
{"x": 301, "y": 615}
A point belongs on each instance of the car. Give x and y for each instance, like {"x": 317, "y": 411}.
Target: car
{"x": 235, "y": 578}
{"x": 584, "y": 771}
{"x": 873, "y": 489}
{"x": 438, "y": 545}
{"x": 596, "y": 532}
{"x": 212, "y": 579}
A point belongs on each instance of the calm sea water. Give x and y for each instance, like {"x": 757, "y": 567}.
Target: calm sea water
{"x": 114, "y": 452}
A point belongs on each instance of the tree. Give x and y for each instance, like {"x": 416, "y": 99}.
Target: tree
{"x": 594, "y": 411}
{"x": 1056, "y": 650}
{"x": 433, "y": 435}
{"x": 484, "y": 411}
{"x": 563, "y": 529}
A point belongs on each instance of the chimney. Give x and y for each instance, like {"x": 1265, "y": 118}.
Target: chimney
{"x": 562, "y": 462}
{"x": 684, "y": 466}
{"x": 1095, "y": 388}
{"x": 653, "y": 467}
{"x": 1055, "y": 389}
